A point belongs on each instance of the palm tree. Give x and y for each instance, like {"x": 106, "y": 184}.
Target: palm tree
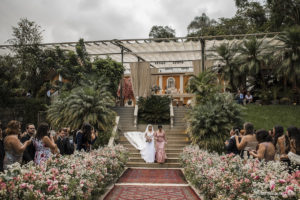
{"x": 229, "y": 67}
{"x": 203, "y": 86}
{"x": 253, "y": 58}
{"x": 90, "y": 102}
{"x": 290, "y": 55}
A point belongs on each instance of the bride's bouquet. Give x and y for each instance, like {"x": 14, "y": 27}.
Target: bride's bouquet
{"x": 148, "y": 139}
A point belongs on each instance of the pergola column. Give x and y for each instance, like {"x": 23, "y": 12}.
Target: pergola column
{"x": 181, "y": 84}
{"x": 202, "y": 43}
{"x": 160, "y": 82}
{"x": 121, "y": 84}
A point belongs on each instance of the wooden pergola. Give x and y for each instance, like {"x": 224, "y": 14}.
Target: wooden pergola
{"x": 161, "y": 53}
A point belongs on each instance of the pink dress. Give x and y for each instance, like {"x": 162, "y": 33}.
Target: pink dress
{"x": 160, "y": 139}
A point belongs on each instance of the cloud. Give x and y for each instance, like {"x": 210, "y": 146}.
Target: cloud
{"x": 69, "y": 20}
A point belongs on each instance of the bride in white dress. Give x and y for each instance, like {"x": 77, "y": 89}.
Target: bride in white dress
{"x": 143, "y": 141}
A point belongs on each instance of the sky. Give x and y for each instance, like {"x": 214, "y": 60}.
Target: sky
{"x": 69, "y": 20}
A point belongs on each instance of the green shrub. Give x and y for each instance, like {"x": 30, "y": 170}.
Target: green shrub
{"x": 25, "y": 109}
{"x": 154, "y": 109}
{"x": 210, "y": 122}
{"x": 90, "y": 102}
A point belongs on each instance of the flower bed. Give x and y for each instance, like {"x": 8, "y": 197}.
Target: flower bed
{"x": 79, "y": 176}
{"x": 229, "y": 177}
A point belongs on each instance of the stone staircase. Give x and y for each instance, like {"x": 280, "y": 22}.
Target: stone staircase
{"x": 176, "y": 137}
{"x": 179, "y": 116}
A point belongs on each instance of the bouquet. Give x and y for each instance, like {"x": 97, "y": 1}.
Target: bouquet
{"x": 148, "y": 139}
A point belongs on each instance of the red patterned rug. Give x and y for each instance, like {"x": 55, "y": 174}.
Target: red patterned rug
{"x": 152, "y": 176}
{"x": 126, "y": 192}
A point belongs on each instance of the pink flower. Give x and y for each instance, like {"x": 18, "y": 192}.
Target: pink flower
{"x": 65, "y": 187}
{"x": 247, "y": 180}
{"x": 23, "y": 185}
{"x": 284, "y": 195}
{"x": 281, "y": 181}
{"x": 289, "y": 188}
{"x": 51, "y": 188}
{"x": 272, "y": 185}
{"x": 49, "y": 182}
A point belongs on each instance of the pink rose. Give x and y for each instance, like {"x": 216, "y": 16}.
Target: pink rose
{"x": 51, "y": 188}
{"x": 281, "y": 181}
{"x": 23, "y": 185}
{"x": 272, "y": 185}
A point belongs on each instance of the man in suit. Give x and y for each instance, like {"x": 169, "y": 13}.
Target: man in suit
{"x": 29, "y": 152}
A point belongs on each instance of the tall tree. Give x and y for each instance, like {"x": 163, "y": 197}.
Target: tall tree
{"x": 32, "y": 60}
{"x": 290, "y": 54}
{"x": 253, "y": 57}
{"x": 201, "y": 24}
{"x": 8, "y": 77}
{"x": 161, "y": 32}
{"x": 283, "y": 13}
{"x": 229, "y": 68}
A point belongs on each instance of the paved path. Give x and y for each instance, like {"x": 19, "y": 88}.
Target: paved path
{"x": 152, "y": 184}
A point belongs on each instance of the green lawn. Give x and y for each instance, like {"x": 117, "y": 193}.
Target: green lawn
{"x": 267, "y": 116}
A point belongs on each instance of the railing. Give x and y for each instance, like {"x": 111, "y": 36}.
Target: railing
{"x": 114, "y": 133}
{"x": 135, "y": 115}
{"x": 171, "y": 115}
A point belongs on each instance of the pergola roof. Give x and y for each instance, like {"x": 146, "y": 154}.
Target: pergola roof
{"x": 161, "y": 53}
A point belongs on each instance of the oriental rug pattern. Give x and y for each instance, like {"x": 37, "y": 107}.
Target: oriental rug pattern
{"x": 153, "y": 176}
{"x": 128, "y": 192}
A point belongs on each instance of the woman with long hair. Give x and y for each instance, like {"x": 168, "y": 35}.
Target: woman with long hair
{"x": 85, "y": 137}
{"x": 278, "y": 132}
{"x": 13, "y": 147}
{"x": 148, "y": 152}
{"x": 266, "y": 149}
{"x": 248, "y": 142}
{"x": 44, "y": 144}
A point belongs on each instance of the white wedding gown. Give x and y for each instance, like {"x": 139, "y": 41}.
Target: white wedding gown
{"x": 138, "y": 140}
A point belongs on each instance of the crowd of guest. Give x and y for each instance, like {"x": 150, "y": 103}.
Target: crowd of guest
{"x": 265, "y": 145}
{"x": 39, "y": 145}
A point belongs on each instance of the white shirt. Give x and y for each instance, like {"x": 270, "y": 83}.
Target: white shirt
{"x": 249, "y": 97}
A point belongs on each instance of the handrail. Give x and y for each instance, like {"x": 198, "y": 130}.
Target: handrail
{"x": 135, "y": 115}
{"x": 114, "y": 132}
{"x": 171, "y": 115}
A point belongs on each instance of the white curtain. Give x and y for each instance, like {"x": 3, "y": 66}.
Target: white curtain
{"x": 141, "y": 78}
{"x": 197, "y": 66}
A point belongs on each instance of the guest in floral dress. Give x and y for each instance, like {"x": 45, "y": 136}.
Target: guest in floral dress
{"x": 44, "y": 145}
{"x": 160, "y": 141}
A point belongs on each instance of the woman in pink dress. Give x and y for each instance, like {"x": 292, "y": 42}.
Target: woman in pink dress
{"x": 160, "y": 141}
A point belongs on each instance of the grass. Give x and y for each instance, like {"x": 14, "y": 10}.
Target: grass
{"x": 267, "y": 116}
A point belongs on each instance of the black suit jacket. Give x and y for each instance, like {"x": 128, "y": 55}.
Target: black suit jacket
{"x": 29, "y": 152}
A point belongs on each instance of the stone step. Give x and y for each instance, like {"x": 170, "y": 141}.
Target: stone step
{"x": 169, "y": 150}
{"x": 141, "y": 160}
{"x": 172, "y": 135}
{"x": 153, "y": 165}
{"x": 169, "y": 144}
{"x": 169, "y": 155}
{"x": 169, "y": 139}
